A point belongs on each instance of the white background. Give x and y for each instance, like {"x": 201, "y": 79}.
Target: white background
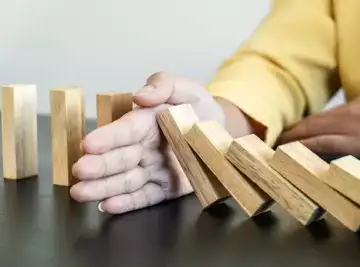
{"x": 107, "y": 45}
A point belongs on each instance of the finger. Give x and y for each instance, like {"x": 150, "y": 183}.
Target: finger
{"x": 151, "y": 157}
{"x": 310, "y": 126}
{"x": 128, "y": 130}
{"x": 166, "y": 88}
{"x": 112, "y": 162}
{"x": 333, "y": 145}
{"x": 170, "y": 175}
{"x": 100, "y": 189}
{"x": 333, "y": 121}
{"x": 172, "y": 182}
{"x": 150, "y": 194}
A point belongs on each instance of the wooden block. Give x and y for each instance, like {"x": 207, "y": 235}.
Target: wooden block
{"x": 174, "y": 122}
{"x": 344, "y": 176}
{"x": 19, "y": 131}
{"x": 250, "y": 155}
{"x": 112, "y": 106}
{"x": 67, "y": 130}
{"x": 303, "y": 168}
{"x": 211, "y": 142}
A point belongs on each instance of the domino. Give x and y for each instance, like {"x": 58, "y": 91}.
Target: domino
{"x": 174, "y": 123}
{"x": 251, "y": 155}
{"x": 211, "y": 142}
{"x": 19, "y": 131}
{"x": 303, "y": 168}
{"x": 217, "y": 166}
{"x": 111, "y": 106}
{"x": 344, "y": 176}
{"x": 67, "y": 132}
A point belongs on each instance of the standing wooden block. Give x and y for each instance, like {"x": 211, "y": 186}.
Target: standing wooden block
{"x": 111, "y": 106}
{"x": 211, "y": 142}
{"x": 174, "y": 122}
{"x": 19, "y": 131}
{"x": 303, "y": 168}
{"x": 67, "y": 132}
{"x": 250, "y": 155}
{"x": 344, "y": 176}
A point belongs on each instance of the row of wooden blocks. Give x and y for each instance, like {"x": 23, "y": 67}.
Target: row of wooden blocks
{"x": 20, "y": 129}
{"x": 218, "y": 166}
{"x": 257, "y": 177}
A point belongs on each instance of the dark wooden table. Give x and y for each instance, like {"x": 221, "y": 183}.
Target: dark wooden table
{"x": 41, "y": 226}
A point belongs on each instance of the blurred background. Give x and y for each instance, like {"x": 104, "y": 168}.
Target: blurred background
{"x": 107, "y": 45}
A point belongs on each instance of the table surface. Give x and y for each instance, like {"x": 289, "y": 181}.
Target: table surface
{"x": 42, "y": 226}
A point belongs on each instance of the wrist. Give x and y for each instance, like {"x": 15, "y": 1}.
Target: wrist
{"x": 238, "y": 123}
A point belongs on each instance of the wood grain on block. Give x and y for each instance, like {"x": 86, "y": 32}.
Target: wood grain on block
{"x": 112, "y": 106}
{"x": 19, "y": 131}
{"x": 303, "y": 168}
{"x": 67, "y": 132}
{"x": 344, "y": 176}
{"x": 211, "y": 142}
{"x": 250, "y": 155}
{"x": 174, "y": 122}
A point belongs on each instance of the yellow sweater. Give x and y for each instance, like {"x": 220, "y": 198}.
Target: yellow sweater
{"x": 299, "y": 56}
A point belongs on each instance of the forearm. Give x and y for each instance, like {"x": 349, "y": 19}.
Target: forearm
{"x": 283, "y": 72}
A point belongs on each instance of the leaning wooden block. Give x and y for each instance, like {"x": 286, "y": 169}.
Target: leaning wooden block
{"x": 303, "y": 168}
{"x": 174, "y": 122}
{"x": 111, "y": 106}
{"x": 344, "y": 176}
{"x": 211, "y": 142}
{"x": 67, "y": 132}
{"x": 19, "y": 131}
{"x": 250, "y": 155}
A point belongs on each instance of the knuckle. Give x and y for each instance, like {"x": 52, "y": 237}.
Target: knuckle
{"x": 129, "y": 157}
{"x": 127, "y": 184}
{"x": 134, "y": 202}
{"x": 160, "y": 176}
{"x": 105, "y": 187}
{"x": 157, "y": 76}
{"x": 103, "y": 169}
{"x": 138, "y": 152}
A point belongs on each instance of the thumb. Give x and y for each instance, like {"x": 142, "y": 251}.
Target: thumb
{"x": 164, "y": 88}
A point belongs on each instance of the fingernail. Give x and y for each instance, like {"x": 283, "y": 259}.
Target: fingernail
{"x": 146, "y": 90}
{"x": 100, "y": 208}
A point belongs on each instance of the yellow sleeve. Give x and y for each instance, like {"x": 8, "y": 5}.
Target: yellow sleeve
{"x": 286, "y": 69}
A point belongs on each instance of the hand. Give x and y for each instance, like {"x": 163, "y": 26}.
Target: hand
{"x": 127, "y": 164}
{"x": 333, "y": 132}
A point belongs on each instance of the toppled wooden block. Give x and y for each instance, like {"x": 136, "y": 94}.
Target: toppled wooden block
{"x": 250, "y": 155}
{"x": 112, "y": 106}
{"x": 174, "y": 122}
{"x": 211, "y": 142}
{"x": 303, "y": 168}
{"x": 67, "y": 132}
{"x": 344, "y": 176}
{"x": 19, "y": 131}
